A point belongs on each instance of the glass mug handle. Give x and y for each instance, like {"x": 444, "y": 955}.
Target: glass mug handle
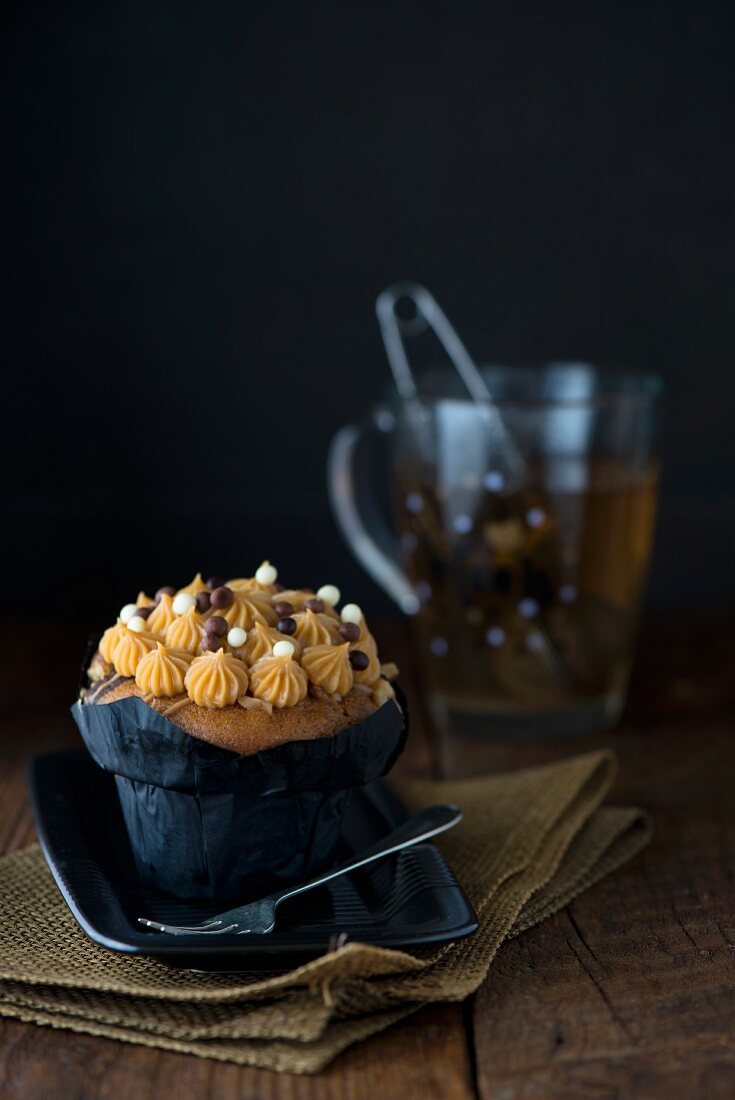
{"x": 357, "y": 512}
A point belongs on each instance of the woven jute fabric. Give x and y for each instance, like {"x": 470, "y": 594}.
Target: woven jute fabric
{"x": 528, "y": 843}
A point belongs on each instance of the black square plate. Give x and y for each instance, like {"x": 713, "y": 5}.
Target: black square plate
{"x": 407, "y": 899}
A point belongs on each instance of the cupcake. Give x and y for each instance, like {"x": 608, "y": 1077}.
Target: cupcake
{"x": 236, "y": 720}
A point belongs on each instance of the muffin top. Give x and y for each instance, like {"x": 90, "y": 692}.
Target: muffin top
{"x": 247, "y": 643}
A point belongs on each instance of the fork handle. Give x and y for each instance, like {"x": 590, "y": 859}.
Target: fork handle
{"x": 415, "y": 829}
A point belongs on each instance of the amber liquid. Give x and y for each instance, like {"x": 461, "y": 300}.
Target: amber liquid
{"x": 529, "y": 599}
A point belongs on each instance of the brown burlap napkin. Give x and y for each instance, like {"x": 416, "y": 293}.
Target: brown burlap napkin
{"x": 528, "y": 843}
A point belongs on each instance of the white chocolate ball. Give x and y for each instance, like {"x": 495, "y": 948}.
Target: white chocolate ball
{"x": 237, "y": 637}
{"x": 284, "y": 649}
{"x": 127, "y": 612}
{"x": 330, "y": 594}
{"x": 183, "y": 602}
{"x": 137, "y": 623}
{"x": 266, "y": 573}
{"x": 351, "y": 613}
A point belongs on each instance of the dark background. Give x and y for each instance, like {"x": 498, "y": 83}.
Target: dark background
{"x": 204, "y": 200}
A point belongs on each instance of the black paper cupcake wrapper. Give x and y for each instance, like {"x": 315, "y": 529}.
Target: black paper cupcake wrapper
{"x": 206, "y": 822}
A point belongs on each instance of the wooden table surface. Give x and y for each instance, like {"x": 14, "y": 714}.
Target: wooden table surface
{"x": 629, "y": 992}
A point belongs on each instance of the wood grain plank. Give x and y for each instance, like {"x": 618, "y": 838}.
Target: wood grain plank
{"x": 424, "y": 1056}
{"x": 631, "y": 991}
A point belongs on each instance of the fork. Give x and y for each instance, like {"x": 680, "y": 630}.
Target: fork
{"x": 259, "y": 917}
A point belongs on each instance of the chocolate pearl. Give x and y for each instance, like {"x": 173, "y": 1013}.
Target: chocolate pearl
{"x": 349, "y": 631}
{"x": 143, "y": 612}
{"x": 286, "y": 625}
{"x": 211, "y": 643}
{"x": 315, "y": 605}
{"x": 283, "y": 609}
{"x": 216, "y": 626}
{"x": 359, "y": 660}
{"x": 221, "y": 597}
{"x": 203, "y": 602}
{"x": 215, "y": 582}
{"x": 167, "y": 590}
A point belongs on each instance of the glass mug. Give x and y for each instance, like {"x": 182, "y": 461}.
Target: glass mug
{"x": 522, "y": 572}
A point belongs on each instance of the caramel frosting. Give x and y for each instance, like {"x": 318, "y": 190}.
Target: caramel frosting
{"x": 162, "y": 671}
{"x": 260, "y": 642}
{"x": 185, "y": 632}
{"x": 279, "y": 681}
{"x": 297, "y": 597}
{"x": 329, "y": 667}
{"x": 262, "y": 601}
{"x": 251, "y": 663}
{"x": 247, "y": 609}
{"x": 161, "y": 616}
{"x": 366, "y": 644}
{"x": 130, "y": 649}
{"x": 194, "y": 587}
{"x": 109, "y": 640}
{"x": 315, "y": 628}
{"x": 251, "y": 584}
{"x": 216, "y": 680}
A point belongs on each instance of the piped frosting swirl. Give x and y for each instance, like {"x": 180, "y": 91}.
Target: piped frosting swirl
{"x": 161, "y": 616}
{"x": 260, "y": 642}
{"x": 242, "y": 584}
{"x": 367, "y": 645}
{"x": 162, "y": 671}
{"x": 186, "y": 631}
{"x": 130, "y": 649}
{"x": 109, "y": 640}
{"x": 328, "y": 666}
{"x": 315, "y": 628}
{"x": 194, "y": 587}
{"x": 247, "y": 609}
{"x": 216, "y": 680}
{"x": 279, "y": 681}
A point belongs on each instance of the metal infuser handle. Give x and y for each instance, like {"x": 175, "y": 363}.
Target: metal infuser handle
{"x": 430, "y": 315}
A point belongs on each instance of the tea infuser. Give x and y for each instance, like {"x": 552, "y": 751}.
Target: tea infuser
{"x": 428, "y": 315}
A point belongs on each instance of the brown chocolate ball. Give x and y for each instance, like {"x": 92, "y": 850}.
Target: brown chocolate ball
{"x": 215, "y": 582}
{"x": 315, "y": 604}
{"x": 286, "y": 625}
{"x": 359, "y": 660}
{"x": 283, "y": 608}
{"x": 221, "y": 597}
{"x": 211, "y": 643}
{"x": 203, "y": 602}
{"x": 143, "y": 612}
{"x": 167, "y": 590}
{"x": 349, "y": 631}
{"x": 216, "y": 626}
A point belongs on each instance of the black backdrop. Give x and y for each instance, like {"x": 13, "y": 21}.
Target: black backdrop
{"x": 204, "y": 199}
